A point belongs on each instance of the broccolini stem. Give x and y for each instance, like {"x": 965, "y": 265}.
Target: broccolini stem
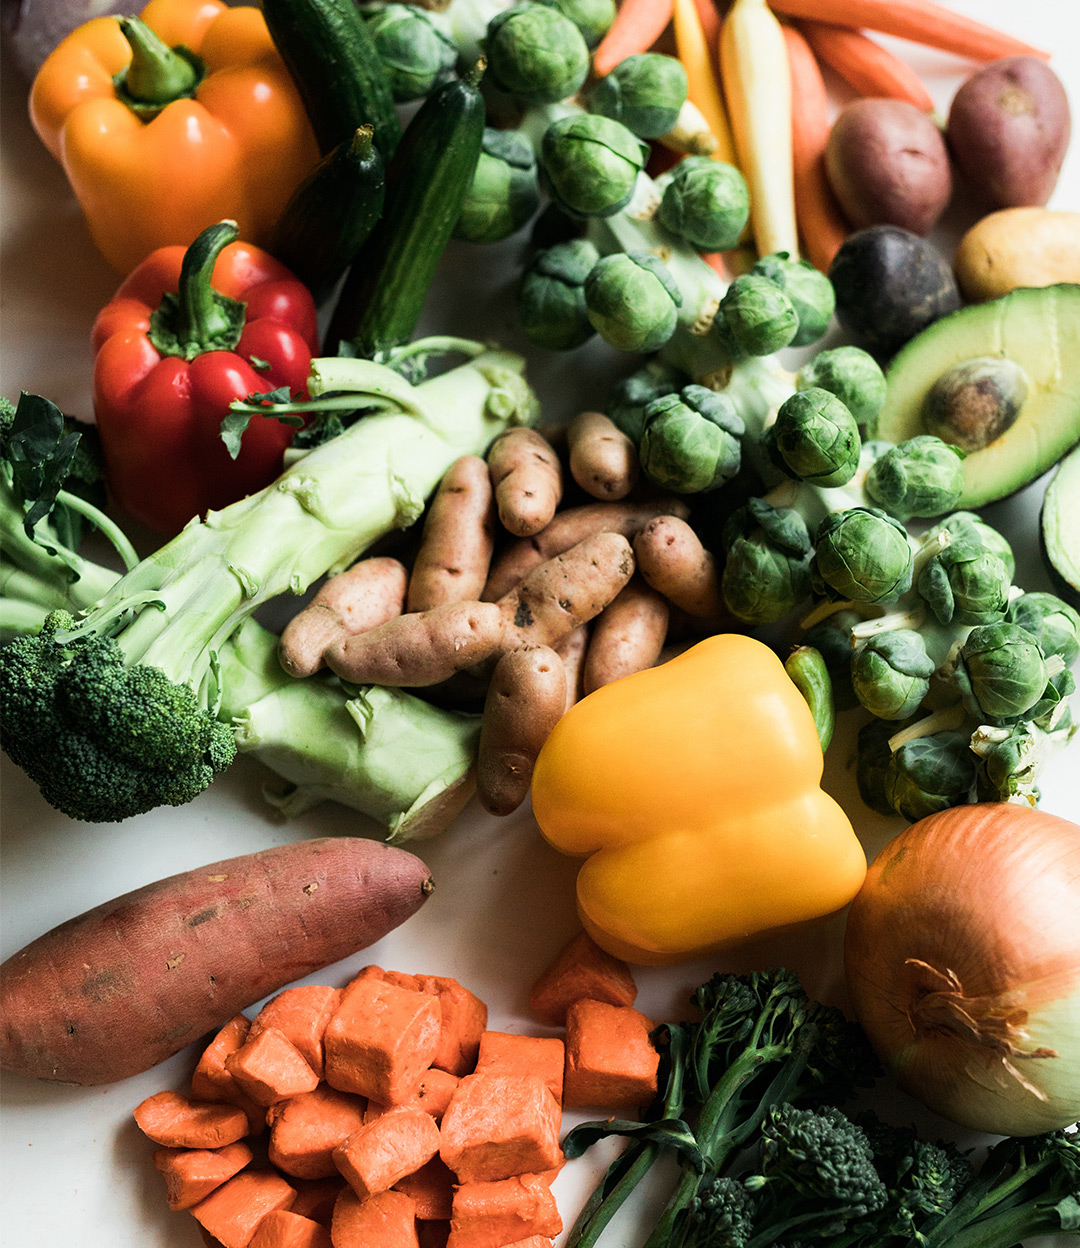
{"x": 109, "y": 529}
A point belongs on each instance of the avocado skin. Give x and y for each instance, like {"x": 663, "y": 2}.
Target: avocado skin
{"x": 890, "y": 284}
{"x": 1059, "y": 529}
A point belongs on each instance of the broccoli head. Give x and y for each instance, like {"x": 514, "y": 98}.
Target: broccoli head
{"x": 720, "y": 1215}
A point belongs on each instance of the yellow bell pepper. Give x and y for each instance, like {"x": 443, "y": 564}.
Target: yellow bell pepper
{"x": 232, "y": 141}
{"x": 694, "y": 790}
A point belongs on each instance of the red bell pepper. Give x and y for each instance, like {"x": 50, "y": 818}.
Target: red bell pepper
{"x": 186, "y": 333}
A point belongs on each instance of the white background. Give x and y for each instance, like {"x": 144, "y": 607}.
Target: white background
{"x": 73, "y": 1167}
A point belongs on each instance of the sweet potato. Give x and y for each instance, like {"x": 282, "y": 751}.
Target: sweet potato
{"x": 387, "y": 1220}
{"x": 527, "y": 477}
{"x": 118, "y": 989}
{"x": 603, "y": 460}
{"x": 285, "y": 1229}
{"x": 191, "y": 1174}
{"x": 270, "y": 1068}
{"x": 497, "y": 1126}
{"x": 232, "y": 1212}
{"x": 627, "y": 636}
{"x": 610, "y": 1060}
{"x": 383, "y": 1152}
{"x": 580, "y": 969}
{"x": 301, "y": 1014}
{"x": 459, "y": 536}
{"x": 305, "y": 1130}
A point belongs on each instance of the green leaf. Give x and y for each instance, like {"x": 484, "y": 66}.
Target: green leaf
{"x": 235, "y": 421}
{"x": 40, "y": 449}
{"x": 670, "y": 1133}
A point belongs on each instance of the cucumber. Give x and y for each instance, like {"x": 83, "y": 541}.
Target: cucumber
{"x": 426, "y": 184}
{"x": 331, "y": 213}
{"x": 338, "y": 72}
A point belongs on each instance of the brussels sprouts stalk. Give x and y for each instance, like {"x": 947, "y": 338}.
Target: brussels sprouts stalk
{"x": 948, "y": 719}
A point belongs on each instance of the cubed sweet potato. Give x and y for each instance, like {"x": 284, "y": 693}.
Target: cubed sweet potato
{"x": 507, "y": 1053}
{"x": 581, "y": 969}
{"x": 192, "y": 1173}
{"x": 497, "y": 1126}
{"x": 305, "y": 1130}
{"x": 301, "y": 1015}
{"x": 233, "y": 1211}
{"x": 610, "y": 1060}
{"x": 380, "y": 1153}
{"x": 387, "y": 1220}
{"x": 492, "y": 1215}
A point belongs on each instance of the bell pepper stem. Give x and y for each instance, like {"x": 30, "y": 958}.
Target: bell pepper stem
{"x": 156, "y": 74}
{"x": 199, "y": 318}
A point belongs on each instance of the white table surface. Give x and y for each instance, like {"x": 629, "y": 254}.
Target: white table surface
{"x": 74, "y": 1169}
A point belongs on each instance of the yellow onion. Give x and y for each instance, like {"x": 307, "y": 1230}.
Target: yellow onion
{"x": 962, "y": 956}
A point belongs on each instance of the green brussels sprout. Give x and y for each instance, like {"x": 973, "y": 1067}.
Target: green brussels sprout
{"x": 831, "y": 637}
{"x": 931, "y": 773}
{"x": 921, "y": 477}
{"x": 691, "y": 440}
{"x": 1053, "y": 623}
{"x": 645, "y": 92}
{"x": 890, "y": 673}
{"x": 968, "y": 527}
{"x": 862, "y": 555}
{"x": 965, "y": 584}
{"x": 873, "y": 758}
{"x": 551, "y": 295}
{"x": 504, "y": 193}
{"x": 814, "y": 438}
{"x": 767, "y": 570}
{"x": 808, "y": 289}
{"x": 591, "y": 17}
{"x": 758, "y": 315}
{"x": 850, "y": 373}
{"x": 1008, "y": 762}
{"x": 1000, "y": 672}
{"x": 706, "y": 203}
{"x": 590, "y": 164}
{"x": 630, "y": 397}
{"x": 535, "y": 54}
{"x": 414, "y": 52}
{"x": 1050, "y": 709}
{"x": 632, "y": 301}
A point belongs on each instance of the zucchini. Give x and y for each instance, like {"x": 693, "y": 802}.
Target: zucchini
{"x": 339, "y": 74}
{"x": 426, "y": 184}
{"x": 331, "y": 213}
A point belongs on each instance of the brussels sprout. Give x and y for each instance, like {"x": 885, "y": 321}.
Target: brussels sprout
{"x": 504, "y": 193}
{"x": 631, "y": 396}
{"x": 921, "y": 477}
{"x": 767, "y": 570}
{"x": 632, "y": 301}
{"x": 1050, "y": 709}
{"x": 758, "y": 315}
{"x": 967, "y": 526}
{"x": 891, "y": 672}
{"x": 590, "y": 164}
{"x": 965, "y": 584}
{"x": 645, "y": 92}
{"x": 873, "y": 758}
{"x": 831, "y": 637}
{"x": 976, "y": 401}
{"x": 1053, "y": 623}
{"x": 1000, "y": 672}
{"x": 591, "y": 17}
{"x": 808, "y": 289}
{"x": 850, "y": 373}
{"x": 691, "y": 440}
{"x": 551, "y": 295}
{"x": 535, "y": 54}
{"x": 931, "y": 773}
{"x": 862, "y": 555}
{"x": 1009, "y": 760}
{"x": 707, "y": 203}
{"x": 815, "y": 439}
{"x": 415, "y": 53}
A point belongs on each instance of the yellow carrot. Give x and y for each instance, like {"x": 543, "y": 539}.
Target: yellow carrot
{"x": 757, "y": 86}
{"x": 703, "y": 88}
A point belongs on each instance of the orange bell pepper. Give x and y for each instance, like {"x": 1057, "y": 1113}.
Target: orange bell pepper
{"x": 225, "y": 137}
{"x": 693, "y": 791}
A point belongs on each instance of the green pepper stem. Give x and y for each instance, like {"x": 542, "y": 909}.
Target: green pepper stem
{"x": 156, "y": 74}
{"x": 199, "y": 318}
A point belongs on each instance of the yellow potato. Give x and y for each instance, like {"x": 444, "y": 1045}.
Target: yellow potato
{"x": 1018, "y": 247}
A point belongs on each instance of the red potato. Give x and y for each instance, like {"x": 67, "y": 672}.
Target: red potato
{"x": 124, "y": 986}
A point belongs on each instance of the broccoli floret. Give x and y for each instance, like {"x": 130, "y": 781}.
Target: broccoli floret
{"x": 720, "y": 1215}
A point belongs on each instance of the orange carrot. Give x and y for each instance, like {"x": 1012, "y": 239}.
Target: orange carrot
{"x": 507, "y": 1053}
{"x": 284, "y": 1229}
{"x": 699, "y": 58}
{"x": 387, "y": 1220}
{"x": 493, "y": 1214}
{"x": 821, "y": 223}
{"x": 432, "y": 1187}
{"x": 380, "y": 1153}
{"x": 921, "y": 21}
{"x": 581, "y": 969}
{"x": 497, "y": 1126}
{"x": 305, "y": 1130}
{"x": 709, "y": 17}
{"x": 865, "y": 65}
{"x": 174, "y": 1121}
{"x": 232, "y": 1212}
{"x": 270, "y": 1068}
{"x": 300, "y": 1014}
{"x": 637, "y": 26}
{"x": 610, "y": 1060}
{"x": 192, "y": 1173}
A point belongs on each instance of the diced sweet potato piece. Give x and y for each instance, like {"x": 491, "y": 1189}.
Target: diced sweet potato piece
{"x": 380, "y": 1153}
{"x": 533, "y": 1241}
{"x": 497, "y": 1126}
{"x": 315, "y": 1197}
{"x": 432, "y": 1096}
{"x": 434, "y": 1234}
{"x": 233, "y": 1212}
{"x": 210, "y": 1080}
{"x": 270, "y": 1068}
{"x": 505, "y": 1053}
{"x": 610, "y": 1060}
{"x": 464, "y": 1019}
{"x": 174, "y": 1121}
{"x": 284, "y": 1229}
{"x": 492, "y": 1215}
{"x": 581, "y": 969}
{"x": 432, "y": 1187}
{"x": 387, "y": 1220}
{"x": 300, "y": 1014}
{"x": 305, "y": 1130}
{"x": 380, "y": 1040}
{"x": 193, "y": 1173}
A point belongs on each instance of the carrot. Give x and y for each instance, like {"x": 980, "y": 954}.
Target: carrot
{"x": 821, "y": 223}
{"x": 174, "y": 1121}
{"x": 610, "y": 1060}
{"x": 493, "y": 1214}
{"x": 637, "y": 26}
{"x": 866, "y": 66}
{"x": 497, "y": 1126}
{"x": 920, "y": 21}
{"x": 757, "y": 87}
{"x": 508, "y": 1053}
{"x": 193, "y": 1173}
{"x": 432, "y": 1188}
{"x": 285, "y": 1229}
{"x": 233, "y": 1212}
{"x": 580, "y": 969}
{"x": 387, "y": 1220}
{"x": 270, "y": 1068}
{"x": 459, "y": 536}
{"x": 305, "y": 1130}
{"x": 698, "y": 56}
{"x": 300, "y": 1014}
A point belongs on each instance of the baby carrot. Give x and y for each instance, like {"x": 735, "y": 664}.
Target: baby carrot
{"x": 865, "y": 65}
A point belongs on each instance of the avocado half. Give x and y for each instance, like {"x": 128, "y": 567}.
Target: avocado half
{"x": 1036, "y": 328}
{"x": 1060, "y": 529}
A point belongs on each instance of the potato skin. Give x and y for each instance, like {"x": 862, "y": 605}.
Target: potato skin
{"x": 126, "y": 985}
{"x": 887, "y": 164}
{"x": 1018, "y": 247}
{"x": 1008, "y": 130}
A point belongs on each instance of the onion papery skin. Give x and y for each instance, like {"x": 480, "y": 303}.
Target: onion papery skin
{"x": 962, "y": 958}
